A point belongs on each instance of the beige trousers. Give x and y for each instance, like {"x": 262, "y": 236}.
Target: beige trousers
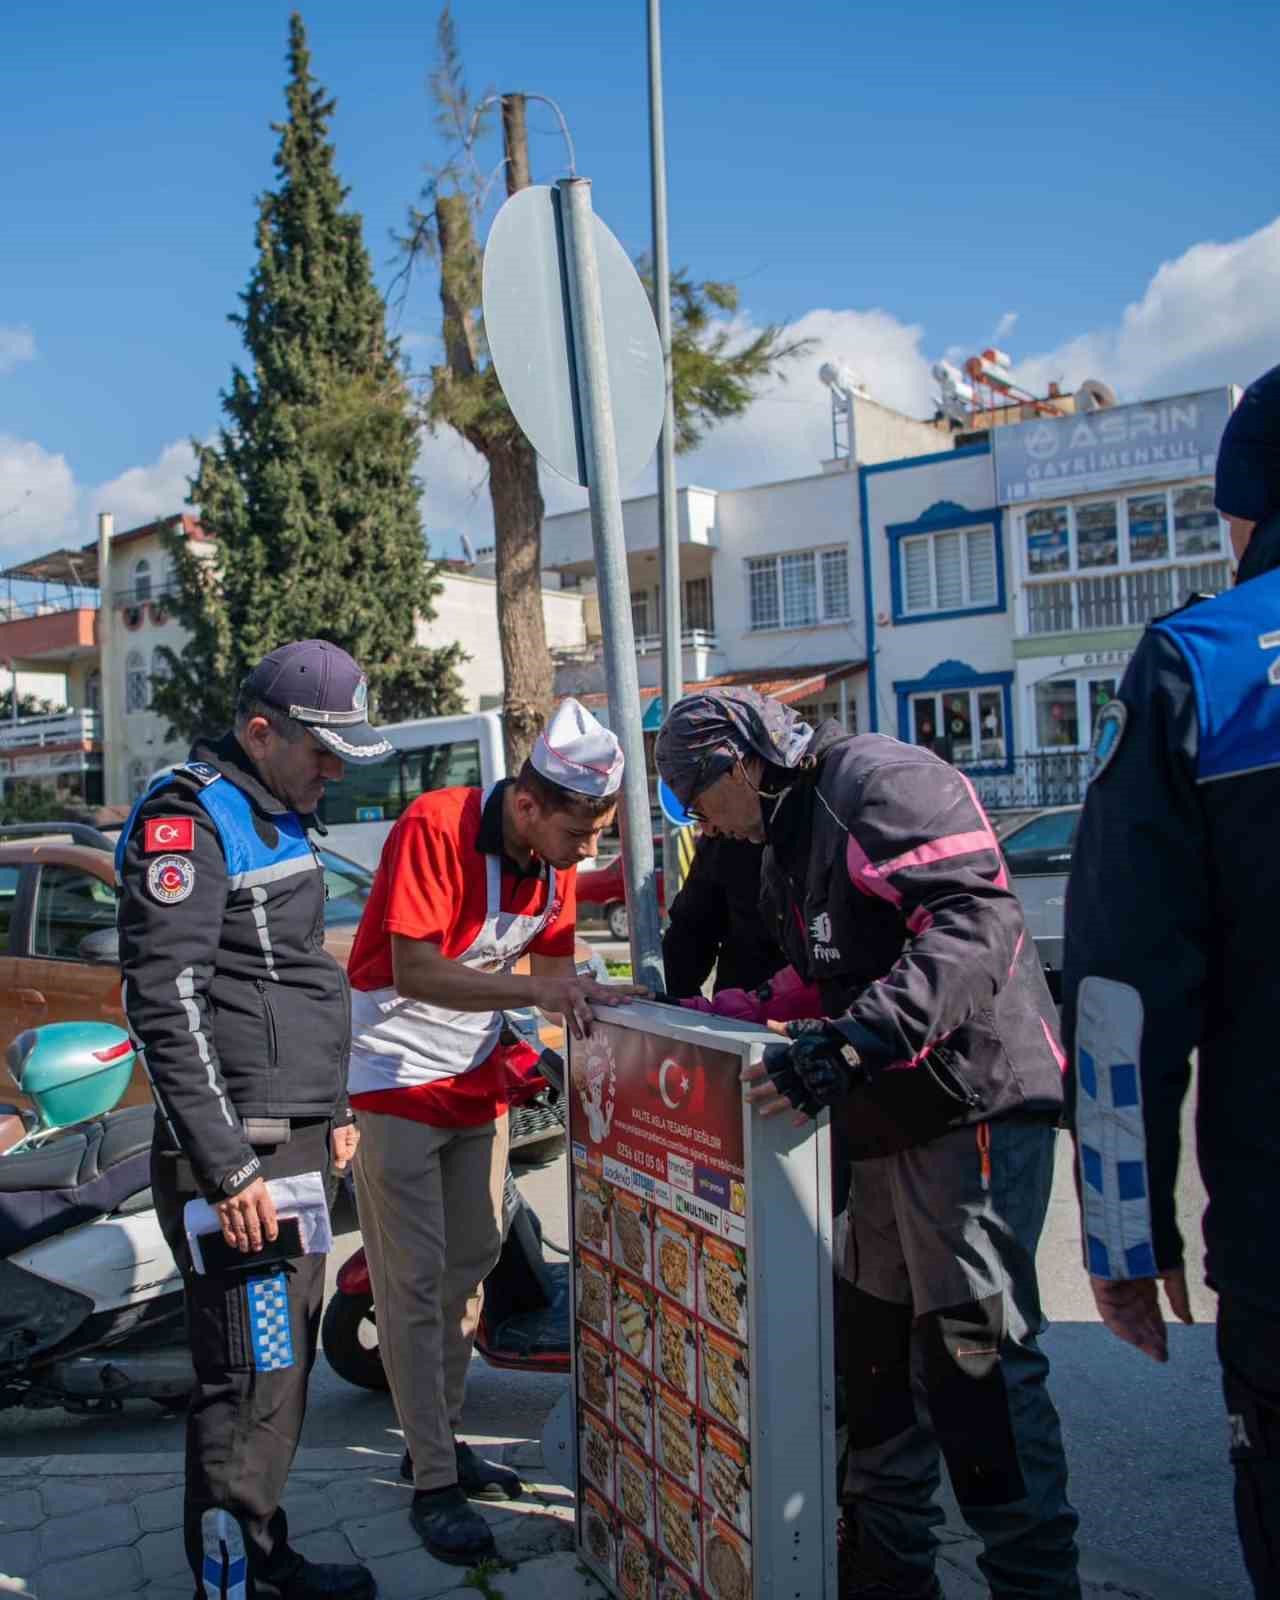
{"x": 430, "y": 1203}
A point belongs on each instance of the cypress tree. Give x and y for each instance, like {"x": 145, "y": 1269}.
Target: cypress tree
{"x": 316, "y": 530}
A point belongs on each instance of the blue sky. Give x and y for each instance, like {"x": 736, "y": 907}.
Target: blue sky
{"x": 900, "y": 182}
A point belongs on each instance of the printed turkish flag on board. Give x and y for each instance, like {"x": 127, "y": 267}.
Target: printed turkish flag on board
{"x": 676, "y": 1085}
{"x": 169, "y": 833}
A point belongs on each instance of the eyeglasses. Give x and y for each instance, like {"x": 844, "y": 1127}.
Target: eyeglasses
{"x": 692, "y": 811}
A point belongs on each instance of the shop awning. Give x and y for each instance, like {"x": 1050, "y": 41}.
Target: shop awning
{"x": 792, "y": 687}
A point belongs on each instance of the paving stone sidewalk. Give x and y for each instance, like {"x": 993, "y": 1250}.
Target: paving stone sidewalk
{"x": 110, "y": 1526}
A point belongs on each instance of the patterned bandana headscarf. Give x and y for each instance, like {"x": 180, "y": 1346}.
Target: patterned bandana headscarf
{"x": 705, "y": 734}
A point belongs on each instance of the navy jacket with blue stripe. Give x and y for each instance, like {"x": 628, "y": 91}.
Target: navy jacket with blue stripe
{"x": 888, "y": 891}
{"x": 238, "y": 1007}
{"x": 1171, "y": 943}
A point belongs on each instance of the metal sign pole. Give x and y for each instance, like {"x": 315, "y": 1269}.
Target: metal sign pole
{"x": 591, "y": 371}
{"x": 668, "y": 510}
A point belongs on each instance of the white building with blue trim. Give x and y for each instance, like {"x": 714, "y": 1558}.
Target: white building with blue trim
{"x": 975, "y": 591}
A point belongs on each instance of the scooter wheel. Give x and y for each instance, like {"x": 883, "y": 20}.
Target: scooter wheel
{"x": 345, "y": 1333}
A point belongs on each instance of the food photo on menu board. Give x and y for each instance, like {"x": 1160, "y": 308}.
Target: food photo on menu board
{"x": 662, "y": 1308}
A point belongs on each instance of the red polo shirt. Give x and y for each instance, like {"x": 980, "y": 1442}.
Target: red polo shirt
{"x": 431, "y": 883}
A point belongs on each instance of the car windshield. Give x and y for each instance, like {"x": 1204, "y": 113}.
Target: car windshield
{"x": 1051, "y": 834}
{"x": 346, "y": 889}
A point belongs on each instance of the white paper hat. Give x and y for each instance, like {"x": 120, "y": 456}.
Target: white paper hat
{"x": 577, "y": 752}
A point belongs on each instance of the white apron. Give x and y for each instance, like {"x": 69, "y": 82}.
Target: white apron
{"x": 398, "y": 1043}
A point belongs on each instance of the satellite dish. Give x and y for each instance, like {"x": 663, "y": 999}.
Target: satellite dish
{"x": 1094, "y": 395}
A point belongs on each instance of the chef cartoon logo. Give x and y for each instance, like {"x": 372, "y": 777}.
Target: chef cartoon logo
{"x": 595, "y": 1077}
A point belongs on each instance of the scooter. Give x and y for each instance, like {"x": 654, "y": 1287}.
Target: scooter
{"x": 90, "y": 1298}
{"x": 525, "y": 1324}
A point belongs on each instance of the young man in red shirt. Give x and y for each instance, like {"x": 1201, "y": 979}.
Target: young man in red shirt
{"x": 469, "y": 882}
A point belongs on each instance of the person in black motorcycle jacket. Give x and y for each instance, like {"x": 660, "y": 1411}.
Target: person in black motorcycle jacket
{"x": 714, "y": 921}
{"x": 245, "y": 1024}
{"x": 1170, "y": 949}
{"x": 930, "y": 1034}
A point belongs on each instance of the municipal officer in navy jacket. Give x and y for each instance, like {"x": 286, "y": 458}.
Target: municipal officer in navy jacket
{"x": 1171, "y": 947}
{"x": 929, "y": 1033}
{"x": 245, "y": 1021}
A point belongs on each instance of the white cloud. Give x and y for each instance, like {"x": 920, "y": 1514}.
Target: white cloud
{"x": 787, "y": 432}
{"x": 1211, "y": 316}
{"x": 17, "y": 344}
{"x": 141, "y": 494}
{"x": 42, "y": 506}
{"x": 37, "y": 498}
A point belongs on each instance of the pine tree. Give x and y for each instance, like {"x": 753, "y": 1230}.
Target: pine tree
{"x": 316, "y": 532}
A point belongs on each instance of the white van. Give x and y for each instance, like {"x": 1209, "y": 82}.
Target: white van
{"x": 431, "y": 753}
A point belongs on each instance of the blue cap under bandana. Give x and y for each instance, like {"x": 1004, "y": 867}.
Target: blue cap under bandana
{"x": 705, "y": 734}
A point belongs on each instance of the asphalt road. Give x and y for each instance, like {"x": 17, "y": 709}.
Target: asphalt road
{"x": 1146, "y": 1444}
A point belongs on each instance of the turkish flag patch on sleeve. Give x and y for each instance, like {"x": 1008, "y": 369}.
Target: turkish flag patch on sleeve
{"x": 169, "y": 833}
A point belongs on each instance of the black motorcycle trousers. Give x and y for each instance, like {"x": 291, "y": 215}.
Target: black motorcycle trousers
{"x": 940, "y": 1318}
{"x": 254, "y": 1335}
{"x": 1249, "y": 1349}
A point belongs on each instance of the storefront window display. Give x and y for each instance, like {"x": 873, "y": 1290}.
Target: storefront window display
{"x": 1122, "y": 532}
{"x": 1057, "y": 717}
{"x": 1148, "y": 516}
{"x": 1048, "y": 540}
{"x": 1197, "y": 530}
{"x": 1097, "y": 534}
{"x": 964, "y": 725}
{"x": 1100, "y": 691}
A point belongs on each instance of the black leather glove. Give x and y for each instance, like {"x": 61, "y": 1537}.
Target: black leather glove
{"x": 817, "y": 1069}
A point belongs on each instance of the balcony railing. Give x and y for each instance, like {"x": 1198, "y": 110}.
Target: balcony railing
{"x": 1119, "y": 599}
{"x": 650, "y": 644}
{"x": 1052, "y": 778}
{"x": 141, "y": 594}
{"x": 77, "y": 600}
{"x": 56, "y": 727}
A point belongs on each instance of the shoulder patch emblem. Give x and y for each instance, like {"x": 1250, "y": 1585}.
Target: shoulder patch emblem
{"x": 1107, "y": 734}
{"x": 170, "y": 879}
{"x": 169, "y": 833}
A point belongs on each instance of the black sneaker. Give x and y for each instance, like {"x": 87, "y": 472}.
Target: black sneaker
{"x": 484, "y": 1480}
{"x": 312, "y": 1580}
{"x": 867, "y": 1575}
{"x": 478, "y": 1479}
{"x": 449, "y": 1529}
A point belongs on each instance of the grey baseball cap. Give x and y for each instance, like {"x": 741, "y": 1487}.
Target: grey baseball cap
{"x": 319, "y": 685}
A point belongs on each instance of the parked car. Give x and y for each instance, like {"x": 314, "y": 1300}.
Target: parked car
{"x": 59, "y": 953}
{"x": 602, "y": 891}
{"x": 1038, "y": 854}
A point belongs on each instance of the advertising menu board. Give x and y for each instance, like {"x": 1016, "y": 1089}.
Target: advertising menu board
{"x": 679, "y": 1194}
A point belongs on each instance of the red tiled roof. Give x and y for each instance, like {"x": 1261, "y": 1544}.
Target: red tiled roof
{"x": 191, "y": 527}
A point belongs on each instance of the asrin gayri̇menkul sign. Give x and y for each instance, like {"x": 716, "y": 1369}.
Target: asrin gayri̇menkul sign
{"x": 1093, "y": 450}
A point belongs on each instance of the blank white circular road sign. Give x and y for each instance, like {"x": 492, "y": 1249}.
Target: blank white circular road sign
{"x": 526, "y": 324}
